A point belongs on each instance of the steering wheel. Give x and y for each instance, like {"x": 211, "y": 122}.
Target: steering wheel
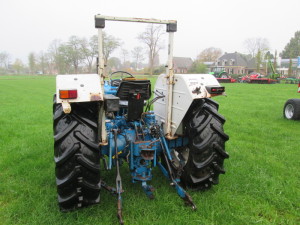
{"x": 116, "y": 82}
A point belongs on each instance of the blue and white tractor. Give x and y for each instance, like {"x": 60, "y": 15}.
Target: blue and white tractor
{"x": 99, "y": 118}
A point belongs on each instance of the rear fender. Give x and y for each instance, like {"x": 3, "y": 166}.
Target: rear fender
{"x": 88, "y": 87}
{"x": 187, "y": 87}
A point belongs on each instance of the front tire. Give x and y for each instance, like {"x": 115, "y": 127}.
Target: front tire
{"x": 291, "y": 109}
{"x": 76, "y": 155}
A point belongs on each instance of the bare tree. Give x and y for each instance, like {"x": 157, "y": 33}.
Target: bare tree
{"x": 89, "y": 50}
{"x": 250, "y": 45}
{"x": 110, "y": 43}
{"x": 74, "y": 51}
{"x": 32, "y": 62}
{"x": 4, "y": 60}
{"x": 258, "y": 61}
{"x": 42, "y": 62}
{"x": 55, "y": 63}
{"x": 113, "y": 63}
{"x": 152, "y": 38}
{"x": 124, "y": 55}
{"x": 65, "y": 59}
{"x": 257, "y": 47}
{"x": 209, "y": 54}
{"x": 254, "y": 45}
{"x": 93, "y": 45}
{"x": 50, "y": 64}
{"x": 137, "y": 55}
{"x": 18, "y": 66}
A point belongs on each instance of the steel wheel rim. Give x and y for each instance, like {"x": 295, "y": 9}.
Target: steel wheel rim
{"x": 289, "y": 111}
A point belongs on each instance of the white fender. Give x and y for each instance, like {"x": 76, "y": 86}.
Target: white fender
{"x": 88, "y": 88}
{"x": 187, "y": 87}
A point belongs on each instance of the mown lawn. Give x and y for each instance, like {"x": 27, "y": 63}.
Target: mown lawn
{"x": 261, "y": 185}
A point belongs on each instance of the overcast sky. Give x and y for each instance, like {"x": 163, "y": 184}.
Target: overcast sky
{"x": 31, "y": 25}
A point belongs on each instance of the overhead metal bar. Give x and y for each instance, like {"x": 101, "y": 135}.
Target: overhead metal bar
{"x": 133, "y": 19}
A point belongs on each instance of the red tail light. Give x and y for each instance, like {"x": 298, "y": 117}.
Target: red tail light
{"x": 67, "y": 94}
{"x": 215, "y": 89}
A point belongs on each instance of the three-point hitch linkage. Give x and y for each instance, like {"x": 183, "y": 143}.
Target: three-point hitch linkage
{"x": 143, "y": 152}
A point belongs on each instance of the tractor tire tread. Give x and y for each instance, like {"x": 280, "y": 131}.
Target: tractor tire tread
{"x": 67, "y": 154}
{"x": 86, "y": 141}
{"x": 77, "y": 156}
{"x": 214, "y": 112}
{"x": 207, "y": 145}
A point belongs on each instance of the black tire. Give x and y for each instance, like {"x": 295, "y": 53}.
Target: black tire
{"x": 204, "y": 156}
{"x": 224, "y": 76}
{"x": 291, "y": 109}
{"x": 76, "y": 155}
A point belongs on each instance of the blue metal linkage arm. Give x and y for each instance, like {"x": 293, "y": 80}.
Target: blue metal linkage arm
{"x": 165, "y": 145}
{"x": 174, "y": 180}
{"x": 110, "y": 151}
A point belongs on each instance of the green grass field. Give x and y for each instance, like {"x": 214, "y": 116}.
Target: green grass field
{"x": 261, "y": 185}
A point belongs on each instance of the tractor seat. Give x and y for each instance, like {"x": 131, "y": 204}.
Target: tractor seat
{"x": 137, "y": 88}
{"x": 134, "y": 93}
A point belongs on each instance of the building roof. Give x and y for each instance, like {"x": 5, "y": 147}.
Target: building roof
{"x": 182, "y": 62}
{"x": 237, "y": 57}
{"x": 252, "y": 63}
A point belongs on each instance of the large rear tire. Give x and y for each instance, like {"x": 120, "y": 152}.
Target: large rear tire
{"x": 76, "y": 155}
{"x": 202, "y": 160}
{"x": 291, "y": 109}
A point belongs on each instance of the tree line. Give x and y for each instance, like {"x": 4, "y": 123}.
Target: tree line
{"x": 79, "y": 55}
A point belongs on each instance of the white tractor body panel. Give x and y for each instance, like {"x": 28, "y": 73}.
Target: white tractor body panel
{"x": 187, "y": 87}
{"x": 88, "y": 87}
